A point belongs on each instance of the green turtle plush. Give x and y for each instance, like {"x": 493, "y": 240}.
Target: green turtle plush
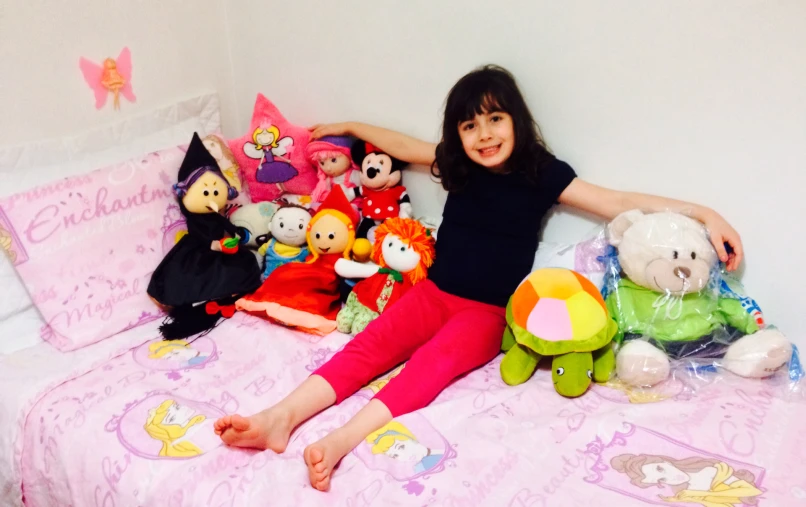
{"x": 560, "y": 313}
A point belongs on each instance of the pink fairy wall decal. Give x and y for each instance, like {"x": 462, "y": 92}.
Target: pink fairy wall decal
{"x": 112, "y": 76}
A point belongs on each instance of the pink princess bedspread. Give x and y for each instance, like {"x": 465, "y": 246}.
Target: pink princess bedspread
{"x": 134, "y": 427}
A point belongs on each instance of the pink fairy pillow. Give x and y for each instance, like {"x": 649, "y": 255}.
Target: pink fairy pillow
{"x": 272, "y": 157}
{"x": 86, "y": 246}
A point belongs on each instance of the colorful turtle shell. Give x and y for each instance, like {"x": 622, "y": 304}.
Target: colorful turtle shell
{"x": 555, "y": 311}
{"x": 559, "y": 313}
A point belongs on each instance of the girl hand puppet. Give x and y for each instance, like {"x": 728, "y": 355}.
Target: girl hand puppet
{"x": 305, "y": 296}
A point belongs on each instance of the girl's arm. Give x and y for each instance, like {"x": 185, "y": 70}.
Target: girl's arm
{"x": 403, "y": 147}
{"x": 609, "y": 203}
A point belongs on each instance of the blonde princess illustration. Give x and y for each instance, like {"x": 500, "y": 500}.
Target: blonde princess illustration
{"x": 694, "y": 480}
{"x": 171, "y": 424}
{"x": 268, "y": 146}
{"x": 6, "y": 243}
{"x": 176, "y": 351}
{"x": 397, "y": 442}
{"x": 376, "y": 385}
{"x": 226, "y": 161}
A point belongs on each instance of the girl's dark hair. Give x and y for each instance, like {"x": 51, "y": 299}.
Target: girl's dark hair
{"x": 488, "y": 89}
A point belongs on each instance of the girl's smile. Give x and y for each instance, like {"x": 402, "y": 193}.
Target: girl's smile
{"x": 488, "y": 139}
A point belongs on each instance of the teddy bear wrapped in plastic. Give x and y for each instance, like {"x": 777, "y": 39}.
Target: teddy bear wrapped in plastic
{"x": 305, "y": 295}
{"x": 402, "y": 253}
{"x": 672, "y": 301}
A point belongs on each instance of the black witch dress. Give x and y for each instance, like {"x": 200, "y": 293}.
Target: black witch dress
{"x": 194, "y": 281}
{"x": 193, "y": 273}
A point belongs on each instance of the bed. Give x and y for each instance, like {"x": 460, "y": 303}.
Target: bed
{"x": 128, "y": 421}
{"x": 90, "y": 428}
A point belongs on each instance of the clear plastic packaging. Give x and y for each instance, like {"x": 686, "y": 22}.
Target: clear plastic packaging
{"x": 682, "y": 318}
{"x": 585, "y": 257}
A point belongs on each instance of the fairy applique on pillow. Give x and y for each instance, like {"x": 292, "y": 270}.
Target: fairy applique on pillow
{"x": 273, "y": 152}
{"x": 271, "y": 155}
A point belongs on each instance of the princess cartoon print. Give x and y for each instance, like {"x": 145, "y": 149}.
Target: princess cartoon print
{"x": 7, "y": 244}
{"x": 397, "y": 442}
{"x": 176, "y": 351}
{"x": 226, "y": 161}
{"x": 693, "y": 480}
{"x": 171, "y": 424}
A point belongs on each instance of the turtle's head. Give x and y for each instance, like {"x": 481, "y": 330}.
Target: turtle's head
{"x": 572, "y": 373}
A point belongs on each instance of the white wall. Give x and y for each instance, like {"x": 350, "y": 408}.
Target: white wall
{"x": 179, "y": 48}
{"x": 703, "y": 101}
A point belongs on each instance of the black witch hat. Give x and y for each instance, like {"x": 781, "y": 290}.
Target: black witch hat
{"x": 197, "y": 156}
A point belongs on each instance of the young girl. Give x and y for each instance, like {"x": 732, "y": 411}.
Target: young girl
{"x": 501, "y": 179}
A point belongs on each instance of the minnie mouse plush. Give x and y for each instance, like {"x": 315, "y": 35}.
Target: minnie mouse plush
{"x": 382, "y": 196}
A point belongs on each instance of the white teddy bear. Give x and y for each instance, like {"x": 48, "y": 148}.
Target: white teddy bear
{"x": 667, "y": 305}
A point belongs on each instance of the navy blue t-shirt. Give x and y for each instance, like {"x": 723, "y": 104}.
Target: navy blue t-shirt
{"x": 489, "y": 233}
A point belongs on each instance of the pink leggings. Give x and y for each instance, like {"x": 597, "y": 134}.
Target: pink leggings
{"x": 442, "y": 336}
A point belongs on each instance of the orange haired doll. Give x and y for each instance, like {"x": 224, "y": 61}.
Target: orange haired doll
{"x": 403, "y": 250}
{"x": 306, "y": 295}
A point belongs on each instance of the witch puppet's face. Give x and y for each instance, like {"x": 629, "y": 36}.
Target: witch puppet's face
{"x": 208, "y": 194}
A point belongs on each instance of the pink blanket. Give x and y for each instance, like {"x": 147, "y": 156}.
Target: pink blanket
{"x": 136, "y": 430}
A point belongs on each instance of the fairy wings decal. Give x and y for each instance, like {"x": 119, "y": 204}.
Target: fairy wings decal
{"x": 112, "y": 76}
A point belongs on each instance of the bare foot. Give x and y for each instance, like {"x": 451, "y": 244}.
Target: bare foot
{"x": 323, "y": 456}
{"x": 269, "y": 429}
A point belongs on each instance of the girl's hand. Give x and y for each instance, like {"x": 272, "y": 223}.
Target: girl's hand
{"x": 329, "y": 129}
{"x": 721, "y": 232}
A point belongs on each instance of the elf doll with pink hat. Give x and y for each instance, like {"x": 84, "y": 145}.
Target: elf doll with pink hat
{"x": 332, "y": 158}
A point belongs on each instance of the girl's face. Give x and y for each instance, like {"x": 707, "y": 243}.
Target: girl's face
{"x": 488, "y": 139}
{"x": 410, "y": 451}
{"x": 334, "y": 166}
{"x": 664, "y": 474}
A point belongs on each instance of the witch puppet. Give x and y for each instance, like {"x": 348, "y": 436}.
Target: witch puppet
{"x": 203, "y": 275}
